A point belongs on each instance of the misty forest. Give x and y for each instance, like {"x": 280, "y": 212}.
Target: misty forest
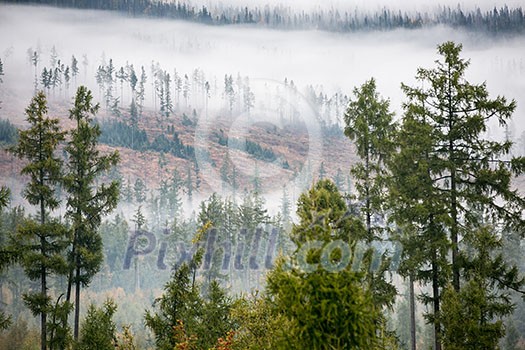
{"x": 267, "y": 174}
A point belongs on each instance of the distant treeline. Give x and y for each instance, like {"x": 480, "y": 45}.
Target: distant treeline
{"x": 496, "y": 21}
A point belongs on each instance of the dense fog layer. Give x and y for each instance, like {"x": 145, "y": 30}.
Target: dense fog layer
{"x": 333, "y": 61}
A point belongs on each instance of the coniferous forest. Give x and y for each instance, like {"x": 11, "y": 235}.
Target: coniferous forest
{"x": 231, "y": 176}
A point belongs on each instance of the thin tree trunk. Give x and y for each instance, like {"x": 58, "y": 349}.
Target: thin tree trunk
{"x": 43, "y": 315}
{"x": 43, "y": 272}
{"x": 70, "y": 278}
{"x": 77, "y": 303}
{"x": 453, "y": 191}
{"x": 435, "y": 296}
{"x": 412, "y": 313}
{"x": 367, "y": 189}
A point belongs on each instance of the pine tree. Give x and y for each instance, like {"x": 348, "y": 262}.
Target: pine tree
{"x": 459, "y": 112}
{"x": 414, "y": 208}
{"x": 229, "y": 92}
{"x": 87, "y": 202}
{"x": 369, "y": 123}
{"x": 140, "y": 190}
{"x": 122, "y": 77}
{"x": 472, "y": 317}
{"x": 35, "y": 58}
{"x": 141, "y": 90}
{"x": 447, "y": 173}
{"x": 67, "y": 79}
{"x": 168, "y": 103}
{"x": 98, "y": 329}
{"x": 74, "y": 69}
{"x": 1, "y": 71}
{"x": 109, "y": 80}
{"x": 183, "y": 315}
{"x": 340, "y": 312}
{"x": 174, "y": 199}
{"x": 186, "y": 90}
{"x": 133, "y": 80}
{"x": 40, "y": 242}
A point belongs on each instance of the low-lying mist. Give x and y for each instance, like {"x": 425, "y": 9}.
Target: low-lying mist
{"x": 333, "y": 61}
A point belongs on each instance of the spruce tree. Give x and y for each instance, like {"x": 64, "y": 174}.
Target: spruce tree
{"x": 40, "y": 242}
{"x": 98, "y": 328}
{"x": 1, "y": 71}
{"x": 74, "y": 69}
{"x": 87, "y": 201}
{"x": 369, "y": 123}
{"x": 472, "y": 169}
{"x": 323, "y": 299}
{"x": 449, "y": 180}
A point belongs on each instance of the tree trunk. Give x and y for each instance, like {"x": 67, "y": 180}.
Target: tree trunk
{"x": 453, "y": 189}
{"x": 43, "y": 315}
{"x": 77, "y": 303}
{"x": 412, "y": 314}
{"x": 43, "y": 272}
{"x": 435, "y": 296}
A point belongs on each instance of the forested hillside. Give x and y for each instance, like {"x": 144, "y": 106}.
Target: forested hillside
{"x": 498, "y": 21}
{"x": 161, "y": 199}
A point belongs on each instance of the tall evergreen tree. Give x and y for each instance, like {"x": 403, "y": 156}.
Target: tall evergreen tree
{"x": 87, "y": 201}
{"x": 369, "y": 123}
{"x": 461, "y": 178}
{"x": 472, "y": 169}
{"x": 40, "y": 242}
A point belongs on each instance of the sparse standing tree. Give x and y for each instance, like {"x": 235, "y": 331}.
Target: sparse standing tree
{"x": 85, "y": 63}
{"x": 141, "y": 91}
{"x": 87, "y": 201}
{"x": 1, "y": 71}
{"x": 40, "y": 242}
{"x": 74, "y": 69}
{"x": 122, "y": 77}
{"x": 186, "y": 90}
{"x": 35, "y": 58}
